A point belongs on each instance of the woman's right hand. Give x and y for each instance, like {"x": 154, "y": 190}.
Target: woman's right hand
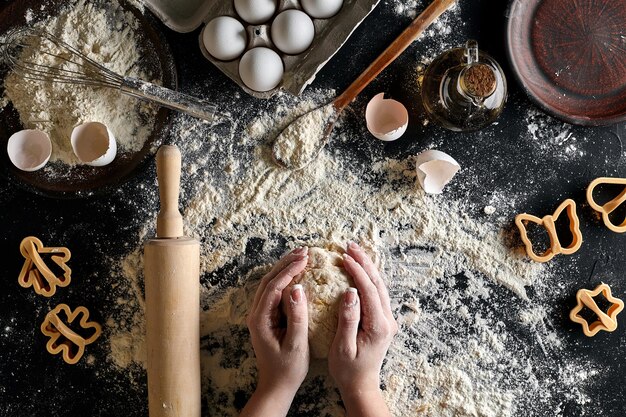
{"x": 365, "y": 330}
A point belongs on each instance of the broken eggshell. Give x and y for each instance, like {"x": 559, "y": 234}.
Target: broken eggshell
{"x": 29, "y": 150}
{"x": 93, "y": 144}
{"x": 386, "y": 119}
{"x": 435, "y": 169}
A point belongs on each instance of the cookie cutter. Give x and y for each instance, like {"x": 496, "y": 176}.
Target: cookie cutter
{"x": 63, "y": 339}
{"x": 549, "y": 223}
{"x": 606, "y": 321}
{"x": 609, "y": 206}
{"x": 36, "y": 273}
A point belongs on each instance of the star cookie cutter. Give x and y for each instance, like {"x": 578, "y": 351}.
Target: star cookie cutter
{"x": 35, "y": 273}
{"x": 606, "y": 321}
{"x": 521, "y": 220}
{"x": 609, "y": 206}
{"x": 65, "y": 340}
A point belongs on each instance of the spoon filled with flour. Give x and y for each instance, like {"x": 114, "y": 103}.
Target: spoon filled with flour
{"x": 303, "y": 140}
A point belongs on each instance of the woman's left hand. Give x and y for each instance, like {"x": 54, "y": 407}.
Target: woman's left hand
{"x": 282, "y": 352}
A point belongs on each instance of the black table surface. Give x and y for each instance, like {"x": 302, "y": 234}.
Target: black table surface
{"x": 98, "y": 227}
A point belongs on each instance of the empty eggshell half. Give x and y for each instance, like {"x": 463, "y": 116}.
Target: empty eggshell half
{"x": 29, "y": 150}
{"x": 386, "y": 119}
{"x": 435, "y": 169}
{"x": 93, "y": 144}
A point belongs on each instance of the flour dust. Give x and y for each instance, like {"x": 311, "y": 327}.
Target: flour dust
{"x": 473, "y": 341}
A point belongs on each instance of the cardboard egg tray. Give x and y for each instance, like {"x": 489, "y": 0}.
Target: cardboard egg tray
{"x": 300, "y": 70}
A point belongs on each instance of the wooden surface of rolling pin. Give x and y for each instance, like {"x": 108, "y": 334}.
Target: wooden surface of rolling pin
{"x": 172, "y": 271}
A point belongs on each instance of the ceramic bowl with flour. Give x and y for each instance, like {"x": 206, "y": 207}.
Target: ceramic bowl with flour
{"x": 118, "y": 36}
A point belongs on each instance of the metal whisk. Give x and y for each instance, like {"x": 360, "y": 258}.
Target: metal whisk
{"x": 73, "y": 67}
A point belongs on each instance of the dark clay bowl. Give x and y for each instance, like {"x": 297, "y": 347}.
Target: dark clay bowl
{"x": 570, "y": 57}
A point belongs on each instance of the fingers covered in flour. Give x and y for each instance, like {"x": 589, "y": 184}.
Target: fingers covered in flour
{"x": 297, "y": 312}
{"x": 266, "y": 313}
{"x": 373, "y": 315}
{"x": 362, "y": 258}
{"x": 294, "y": 256}
{"x": 345, "y": 342}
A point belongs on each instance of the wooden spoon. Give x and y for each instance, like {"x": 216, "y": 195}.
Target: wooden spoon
{"x": 293, "y": 150}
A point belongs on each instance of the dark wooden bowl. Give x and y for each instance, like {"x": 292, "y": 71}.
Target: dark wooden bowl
{"x": 570, "y": 57}
{"x": 84, "y": 180}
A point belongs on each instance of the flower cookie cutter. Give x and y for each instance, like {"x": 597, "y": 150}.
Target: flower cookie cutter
{"x": 65, "y": 340}
{"x": 609, "y": 206}
{"x": 521, "y": 220}
{"x": 606, "y": 321}
{"x": 36, "y": 273}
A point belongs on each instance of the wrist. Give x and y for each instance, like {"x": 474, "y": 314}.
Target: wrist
{"x": 269, "y": 400}
{"x": 358, "y": 394}
{"x": 365, "y": 402}
{"x": 281, "y": 392}
{"x": 361, "y": 386}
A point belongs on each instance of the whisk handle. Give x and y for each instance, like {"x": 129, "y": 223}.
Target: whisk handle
{"x": 170, "y": 99}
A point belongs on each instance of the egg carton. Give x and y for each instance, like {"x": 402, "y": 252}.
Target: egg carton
{"x": 299, "y": 70}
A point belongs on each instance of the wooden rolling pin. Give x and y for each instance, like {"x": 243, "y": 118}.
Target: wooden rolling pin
{"x": 172, "y": 272}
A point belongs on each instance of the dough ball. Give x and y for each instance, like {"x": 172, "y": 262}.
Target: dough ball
{"x": 324, "y": 281}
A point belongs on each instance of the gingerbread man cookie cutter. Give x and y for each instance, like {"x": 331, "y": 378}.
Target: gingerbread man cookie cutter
{"x": 606, "y": 321}
{"x": 607, "y": 208}
{"x": 35, "y": 273}
{"x": 64, "y": 339}
{"x": 521, "y": 220}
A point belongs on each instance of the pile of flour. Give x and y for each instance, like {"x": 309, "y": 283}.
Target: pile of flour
{"x": 106, "y": 34}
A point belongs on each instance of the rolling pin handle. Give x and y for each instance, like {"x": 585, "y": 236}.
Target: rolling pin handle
{"x": 169, "y": 220}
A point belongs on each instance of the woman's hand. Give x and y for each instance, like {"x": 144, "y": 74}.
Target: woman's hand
{"x": 282, "y": 352}
{"x": 364, "y": 332}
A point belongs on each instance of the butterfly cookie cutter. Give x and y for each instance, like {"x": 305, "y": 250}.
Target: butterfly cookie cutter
{"x": 521, "y": 220}
{"x": 35, "y": 273}
{"x": 64, "y": 339}
{"x": 606, "y": 321}
{"x": 609, "y": 206}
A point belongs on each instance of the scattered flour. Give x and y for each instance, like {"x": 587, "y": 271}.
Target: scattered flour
{"x": 552, "y": 137}
{"x": 474, "y": 342}
{"x": 57, "y": 107}
{"x": 458, "y": 291}
{"x": 410, "y": 8}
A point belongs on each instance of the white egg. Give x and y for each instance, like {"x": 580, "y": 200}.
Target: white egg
{"x": 321, "y": 9}
{"x": 292, "y": 31}
{"x": 224, "y": 38}
{"x": 261, "y": 69}
{"x": 255, "y": 11}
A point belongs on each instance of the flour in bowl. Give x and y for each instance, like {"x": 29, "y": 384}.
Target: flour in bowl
{"x": 107, "y": 34}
